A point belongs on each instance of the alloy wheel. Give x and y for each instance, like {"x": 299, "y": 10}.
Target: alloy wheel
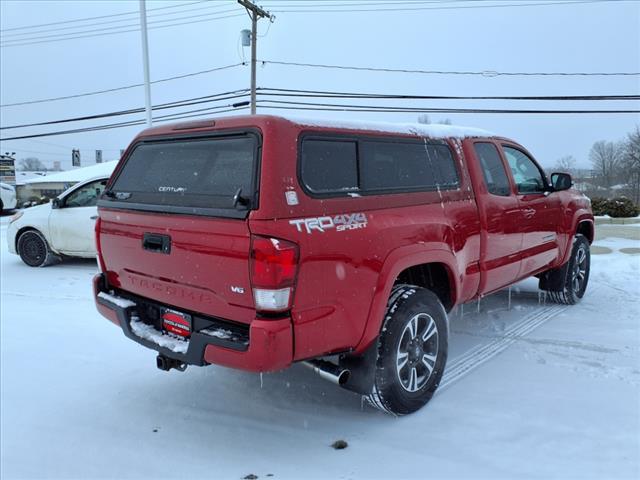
{"x": 417, "y": 352}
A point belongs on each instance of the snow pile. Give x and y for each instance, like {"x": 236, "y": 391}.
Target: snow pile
{"x": 119, "y": 301}
{"x": 77, "y": 175}
{"x": 218, "y": 333}
{"x": 149, "y": 333}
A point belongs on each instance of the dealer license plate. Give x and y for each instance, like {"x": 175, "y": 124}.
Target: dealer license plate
{"x": 177, "y": 323}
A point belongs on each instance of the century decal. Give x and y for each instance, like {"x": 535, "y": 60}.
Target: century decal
{"x": 347, "y": 221}
{"x": 172, "y": 189}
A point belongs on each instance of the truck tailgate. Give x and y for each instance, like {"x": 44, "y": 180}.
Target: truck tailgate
{"x": 194, "y": 263}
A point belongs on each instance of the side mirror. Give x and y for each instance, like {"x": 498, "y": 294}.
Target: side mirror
{"x": 561, "y": 181}
{"x": 56, "y": 203}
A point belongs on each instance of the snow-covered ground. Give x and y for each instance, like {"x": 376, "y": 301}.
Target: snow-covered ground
{"x": 532, "y": 391}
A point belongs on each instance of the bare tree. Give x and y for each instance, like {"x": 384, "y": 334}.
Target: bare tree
{"x": 606, "y": 159}
{"x": 566, "y": 164}
{"x": 631, "y": 162}
{"x": 32, "y": 164}
{"x": 424, "y": 118}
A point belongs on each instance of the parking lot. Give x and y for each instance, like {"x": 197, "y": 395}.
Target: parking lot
{"x": 531, "y": 390}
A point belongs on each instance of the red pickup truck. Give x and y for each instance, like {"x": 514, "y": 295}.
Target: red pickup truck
{"x": 255, "y": 242}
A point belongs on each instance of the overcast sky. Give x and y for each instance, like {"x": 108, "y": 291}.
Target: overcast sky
{"x": 600, "y": 36}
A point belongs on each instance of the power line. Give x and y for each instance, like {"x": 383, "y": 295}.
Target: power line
{"x": 436, "y": 110}
{"x": 136, "y": 12}
{"x": 114, "y": 29}
{"x": 306, "y": 106}
{"x": 5, "y": 45}
{"x": 76, "y": 35}
{"x": 358, "y": 3}
{"x": 162, "y": 118}
{"x": 330, "y": 9}
{"x": 284, "y": 92}
{"x": 484, "y": 73}
{"x": 232, "y": 95}
{"x": 281, "y": 92}
{"x": 111, "y": 22}
{"x": 392, "y": 109}
{"x": 125, "y": 87}
{"x": 342, "y": 67}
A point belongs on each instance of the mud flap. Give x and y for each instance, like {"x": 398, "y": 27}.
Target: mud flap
{"x": 362, "y": 368}
{"x": 554, "y": 280}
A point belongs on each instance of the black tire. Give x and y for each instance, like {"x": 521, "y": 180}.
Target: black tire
{"x": 575, "y": 277}
{"x": 34, "y": 249}
{"x": 409, "y": 367}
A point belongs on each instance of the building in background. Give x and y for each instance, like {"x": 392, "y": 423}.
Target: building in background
{"x": 7, "y": 169}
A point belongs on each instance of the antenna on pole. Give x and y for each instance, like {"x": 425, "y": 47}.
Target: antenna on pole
{"x": 145, "y": 60}
{"x": 255, "y": 12}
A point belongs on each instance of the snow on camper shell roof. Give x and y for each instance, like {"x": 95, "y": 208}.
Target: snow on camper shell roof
{"x": 420, "y": 129}
{"x": 417, "y": 129}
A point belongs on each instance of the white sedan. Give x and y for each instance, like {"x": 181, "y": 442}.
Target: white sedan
{"x": 41, "y": 235}
{"x": 7, "y": 197}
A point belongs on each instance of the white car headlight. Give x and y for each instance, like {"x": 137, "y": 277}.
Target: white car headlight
{"x": 16, "y": 217}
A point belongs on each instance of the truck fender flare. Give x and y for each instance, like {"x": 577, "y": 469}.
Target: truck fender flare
{"x": 579, "y": 217}
{"x": 398, "y": 260}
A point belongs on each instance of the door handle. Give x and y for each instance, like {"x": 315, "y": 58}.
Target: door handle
{"x": 154, "y": 242}
{"x": 529, "y": 212}
{"x": 94, "y": 217}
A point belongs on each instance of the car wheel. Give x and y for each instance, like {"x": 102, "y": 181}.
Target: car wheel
{"x": 34, "y": 249}
{"x": 412, "y": 351}
{"x": 575, "y": 276}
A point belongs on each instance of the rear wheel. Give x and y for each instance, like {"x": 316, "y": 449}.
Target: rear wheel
{"x": 412, "y": 351}
{"x": 34, "y": 249}
{"x": 574, "y": 278}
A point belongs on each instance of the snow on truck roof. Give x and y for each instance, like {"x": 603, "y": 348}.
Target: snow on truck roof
{"x": 77, "y": 175}
{"x": 420, "y": 129}
{"x": 417, "y": 129}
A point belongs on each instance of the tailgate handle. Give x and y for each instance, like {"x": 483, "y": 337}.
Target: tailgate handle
{"x": 154, "y": 242}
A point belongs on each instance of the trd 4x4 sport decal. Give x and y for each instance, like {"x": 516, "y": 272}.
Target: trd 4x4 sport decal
{"x": 347, "y": 221}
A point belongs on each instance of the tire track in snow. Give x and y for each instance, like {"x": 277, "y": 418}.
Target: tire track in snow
{"x": 479, "y": 355}
{"x": 47, "y": 297}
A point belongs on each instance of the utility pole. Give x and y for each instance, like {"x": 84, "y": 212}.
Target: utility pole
{"x": 145, "y": 60}
{"x": 255, "y": 12}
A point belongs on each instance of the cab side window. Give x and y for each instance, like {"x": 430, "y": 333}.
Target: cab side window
{"x": 493, "y": 170}
{"x": 527, "y": 175}
{"x": 330, "y": 165}
{"x": 86, "y": 196}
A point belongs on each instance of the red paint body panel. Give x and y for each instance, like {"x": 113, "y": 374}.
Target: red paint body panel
{"x": 271, "y": 348}
{"x": 344, "y": 277}
{"x": 207, "y": 256}
{"x": 500, "y": 233}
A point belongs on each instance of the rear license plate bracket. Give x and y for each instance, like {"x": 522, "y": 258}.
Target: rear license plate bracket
{"x": 175, "y": 322}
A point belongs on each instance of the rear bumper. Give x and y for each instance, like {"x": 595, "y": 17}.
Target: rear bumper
{"x": 270, "y": 345}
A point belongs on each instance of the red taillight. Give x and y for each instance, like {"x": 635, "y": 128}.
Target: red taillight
{"x": 274, "y": 264}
